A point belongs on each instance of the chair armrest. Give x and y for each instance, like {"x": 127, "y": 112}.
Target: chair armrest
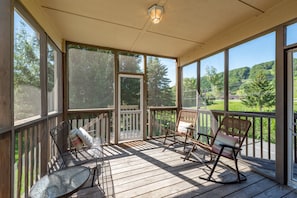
{"x": 205, "y": 135}
{"x": 190, "y": 128}
{"x": 208, "y": 137}
{"x": 229, "y": 146}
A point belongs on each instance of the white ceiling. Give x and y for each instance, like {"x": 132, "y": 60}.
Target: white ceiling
{"x": 125, "y": 24}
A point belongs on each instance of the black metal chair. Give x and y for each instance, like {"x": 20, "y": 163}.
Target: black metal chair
{"x": 68, "y": 155}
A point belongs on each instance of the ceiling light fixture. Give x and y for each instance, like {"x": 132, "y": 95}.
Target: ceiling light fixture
{"x": 156, "y": 13}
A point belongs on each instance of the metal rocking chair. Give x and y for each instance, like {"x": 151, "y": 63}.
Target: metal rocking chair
{"x": 226, "y": 142}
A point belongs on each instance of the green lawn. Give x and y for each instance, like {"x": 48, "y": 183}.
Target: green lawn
{"x": 236, "y": 105}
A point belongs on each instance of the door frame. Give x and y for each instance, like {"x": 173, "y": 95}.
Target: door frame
{"x": 141, "y": 105}
{"x": 291, "y": 125}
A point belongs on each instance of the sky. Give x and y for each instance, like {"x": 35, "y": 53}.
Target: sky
{"x": 291, "y": 34}
{"x": 250, "y": 53}
{"x": 259, "y": 50}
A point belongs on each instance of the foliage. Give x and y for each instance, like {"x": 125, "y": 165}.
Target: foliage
{"x": 205, "y": 85}
{"x": 159, "y": 91}
{"x": 129, "y": 62}
{"x": 267, "y": 68}
{"x": 27, "y": 94}
{"x": 130, "y": 90}
{"x": 26, "y": 59}
{"x": 237, "y": 77}
{"x": 50, "y": 68}
{"x": 211, "y": 86}
{"x": 259, "y": 92}
{"x": 216, "y": 80}
{"x": 189, "y": 92}
{"x": 130, "y": 87}
{"x": 91, "y": 74}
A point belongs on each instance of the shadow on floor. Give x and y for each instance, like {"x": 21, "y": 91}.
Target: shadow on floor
{"x": 105, "y": 187}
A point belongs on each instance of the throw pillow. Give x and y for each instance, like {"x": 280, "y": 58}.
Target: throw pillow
{"x": 182, "y": 126}
{"x": 224, "y": 139}
{"x": 75, "y": 140}
{"x": 85, "y": 137}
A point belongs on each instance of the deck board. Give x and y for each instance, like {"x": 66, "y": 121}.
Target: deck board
{"x": 146, "y": 169}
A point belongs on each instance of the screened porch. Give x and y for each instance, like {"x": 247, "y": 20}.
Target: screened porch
{"x": 66, "y": 60}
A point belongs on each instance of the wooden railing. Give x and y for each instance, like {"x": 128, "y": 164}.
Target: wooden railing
{"x": 100, "y": 121}
{"x": 33, "y": 145}
{"x": 260, "y": 142}
{"x": 31, "y": 154}
{"x": 157, "y": 119}
{"x": 261, "y": 137}
{"x": 130, "y": 124}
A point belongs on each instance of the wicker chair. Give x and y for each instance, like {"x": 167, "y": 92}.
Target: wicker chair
{"x": 184, "y": 127}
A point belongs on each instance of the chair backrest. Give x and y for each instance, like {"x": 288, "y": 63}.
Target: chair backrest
{"x": 186, "y": 118}
{"x": 232, "y": 131}
{"x": 60, "y": 135}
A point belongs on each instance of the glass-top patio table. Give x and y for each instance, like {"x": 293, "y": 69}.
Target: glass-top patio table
{"x": 60, "y": 183}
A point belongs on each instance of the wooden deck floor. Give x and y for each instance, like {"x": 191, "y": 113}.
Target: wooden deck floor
{"x": 145, "y": 169}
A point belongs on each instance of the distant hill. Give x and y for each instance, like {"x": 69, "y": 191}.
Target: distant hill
{"x": 240, "y": 75}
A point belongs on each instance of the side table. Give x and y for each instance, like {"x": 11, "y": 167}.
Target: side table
{"x": 60, "y": 183}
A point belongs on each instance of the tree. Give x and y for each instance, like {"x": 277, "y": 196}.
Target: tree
{"x": 215, "y": 79}
{"x": 50, "y": 68}
{"x": 211, "y": 85}
{"x": 159, "y": 91}
{"x": 26, "y": 59}
{"x": 130, "y": 87}
{"x": 91, "y": 77}
{"x": 259, "y": 92}
{"x": 189, "y": 92}
{"x": 237, "y": 77}
{"x": 27, "y": 94}
{"x": 267, "y": 68}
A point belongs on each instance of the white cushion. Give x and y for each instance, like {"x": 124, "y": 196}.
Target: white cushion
{"x": 224, "y": 139}
{"x": 75, "y": 139}
{"x": 85, "y": 137}
{"x": 182, "y": 126}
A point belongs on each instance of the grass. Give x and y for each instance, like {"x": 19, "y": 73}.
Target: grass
{"x": 236, "y": 105}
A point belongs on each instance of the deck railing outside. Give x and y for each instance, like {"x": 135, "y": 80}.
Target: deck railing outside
{"x": 33, "y": 145}
{"x": 260, "y": 142}
{"x": 101, "y": 122}
{"x": 31, "y": 148}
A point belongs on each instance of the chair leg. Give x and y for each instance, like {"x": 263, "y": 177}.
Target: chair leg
{"x": 189, "y": 154}
{"x": 236, "y": 170}
{"x": 213, "y": 168}
{"x": 94, "y": 173}
{"x": 239, "y": 179}
{"x": 165, "y": 136}
{"x": 174, "y": 138}
{"x": 185, "y": 142}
